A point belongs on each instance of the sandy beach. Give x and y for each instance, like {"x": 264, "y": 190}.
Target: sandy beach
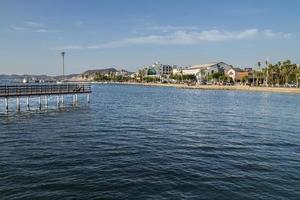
{"x": 218, "y": 87}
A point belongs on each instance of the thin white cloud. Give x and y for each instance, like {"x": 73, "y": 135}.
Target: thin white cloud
{"x": 94, "y": 47}
{"x": 187, "y": 38}
{"x": 41, "y": 30}
{"x": 18, "y": 28}
{"x": 32, "y": 24}
{"x": 67, "y": 47}
{"x": 271, "y": 34}
{"x": 172, "y": 28}
{"x": 193, "y": 37}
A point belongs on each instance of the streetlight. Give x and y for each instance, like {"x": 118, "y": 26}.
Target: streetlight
{"x": 63, "y": 62}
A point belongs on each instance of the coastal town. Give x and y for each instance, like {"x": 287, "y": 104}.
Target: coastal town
{"x": 281, "y": 74}
{"x": 157, "y": 99}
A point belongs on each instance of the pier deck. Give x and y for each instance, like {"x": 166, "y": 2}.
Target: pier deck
{"x": 38, "y": 90}
{"x": 22, "y": 90}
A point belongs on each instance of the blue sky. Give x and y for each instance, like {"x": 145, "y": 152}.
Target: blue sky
{"x": 133, "y": 33}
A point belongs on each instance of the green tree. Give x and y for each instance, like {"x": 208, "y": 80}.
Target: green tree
{"x": 297, "y": 74}
{"x": 149, "y": 79}
{"x": 217, "y": 75}
{"x": 282, "y": 73}
{"x": 287, "y": 70}
{"x": 245, "y": 79}
{"x": 141, "y": 74}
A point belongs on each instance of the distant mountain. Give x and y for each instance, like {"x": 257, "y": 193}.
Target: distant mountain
{"x": 89, "y": 73}
{"x": 5, "y": 76}
{"x": 68, "y": 76}
{"x": 21, "y": 77}
{"x": 101, "y": 71}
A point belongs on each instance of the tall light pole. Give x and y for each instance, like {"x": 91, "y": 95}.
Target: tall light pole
{"x": 63, "y": 63}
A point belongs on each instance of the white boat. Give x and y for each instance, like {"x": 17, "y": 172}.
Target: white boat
{"x": 25, "y": 80}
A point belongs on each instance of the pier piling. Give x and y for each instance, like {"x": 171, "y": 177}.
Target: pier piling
{"x": 46, "y": 101}
{"x": 18, "y": 104}
{"x": 73, "y": 99}
{"x": 27, "y": 103}
{"x": 6, "y": 104}
{"x": 62, "y": 101}
{"x": 76, "y": 99}
{"x": 57, "y": 101}
{"x": 40, "y": 103}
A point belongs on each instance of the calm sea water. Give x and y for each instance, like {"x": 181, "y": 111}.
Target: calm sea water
{"x": 137, "y": 142}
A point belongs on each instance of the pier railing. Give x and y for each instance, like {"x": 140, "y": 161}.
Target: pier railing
{"x": 43, "y": 89}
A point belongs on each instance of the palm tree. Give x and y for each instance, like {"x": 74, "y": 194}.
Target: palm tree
{"x": 181, "y": 74}
{"x": 267, "y": 74}
{"x": 271, "y": 70}
{"x": 276, "y": 74}
{"x": 286, "y": 69}
{"x": 259, "y": 65}
{"x": 141, "y": 74}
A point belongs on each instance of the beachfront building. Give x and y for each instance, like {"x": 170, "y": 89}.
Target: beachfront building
{"x": 219, "y": 67}
{"x": 158, "y": 70}
{"x": 201, "y": 71}
{"x": 185, "y": 71}
{"x": 236, "y": 74}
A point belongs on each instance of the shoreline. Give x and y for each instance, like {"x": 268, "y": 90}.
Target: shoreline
{"x": 213, "y": 87}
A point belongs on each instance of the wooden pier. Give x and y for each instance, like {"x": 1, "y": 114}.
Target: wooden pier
{"x": 44, "y": 90}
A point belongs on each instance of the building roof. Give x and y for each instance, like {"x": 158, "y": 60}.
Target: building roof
{"x": 249, "y": 69}
{"x": 206, "y": 66}
{"x": 237, "y": 69}
{"x": 199, "y": 66}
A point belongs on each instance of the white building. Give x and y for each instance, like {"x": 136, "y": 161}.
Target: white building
{"x": 122, "y": 72}
{"x": 213, "y": 67}
{"x": 208, "y": 68}
{"x": 202, "y": 70}
{"x": 159, "y": 70}
{"x": 233, "y": 73}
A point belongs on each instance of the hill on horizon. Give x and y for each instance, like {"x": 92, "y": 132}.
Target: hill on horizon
{"x": 101, "y": 71}
{"x": 87, "y": 72}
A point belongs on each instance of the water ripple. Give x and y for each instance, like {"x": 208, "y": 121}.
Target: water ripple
{"x": 137, "y": 142}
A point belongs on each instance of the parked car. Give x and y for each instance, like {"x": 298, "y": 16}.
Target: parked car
{"x": 291, "y": 85}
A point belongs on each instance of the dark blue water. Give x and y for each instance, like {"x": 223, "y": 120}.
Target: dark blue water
{"x": 136, "y": 142}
